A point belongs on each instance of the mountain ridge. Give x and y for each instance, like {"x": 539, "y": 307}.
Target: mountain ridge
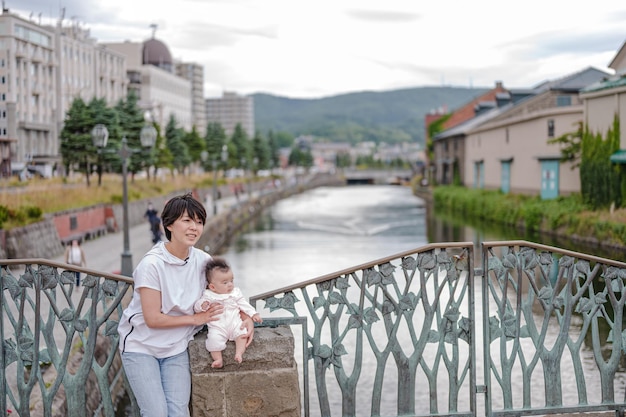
{"x": 381, "y": 116}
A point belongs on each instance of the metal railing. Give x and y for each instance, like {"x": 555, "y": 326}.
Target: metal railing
{"x": 535, "y": 330}
{"x": 59, "y": 341}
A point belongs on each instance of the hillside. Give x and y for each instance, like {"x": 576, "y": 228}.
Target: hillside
{"x": 388, "y": 116}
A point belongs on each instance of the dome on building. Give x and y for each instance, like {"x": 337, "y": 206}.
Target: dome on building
{"x": 156, "y": 53}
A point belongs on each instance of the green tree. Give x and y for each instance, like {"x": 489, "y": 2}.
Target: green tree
{"x": 131, "y": 120}
{"x": 571, "y": 145}
{"x": 195, "y": 144}
{"x": 176, "y": 145}
{"x": 214, "y": 139}
{"x": 261, "y": 152}
{"x": 240, "y": 145}
{"x": 274, "y": 150}
{"x": 76, "y": 145}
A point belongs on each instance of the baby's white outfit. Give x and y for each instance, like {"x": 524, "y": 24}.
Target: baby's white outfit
{"x": 228, "y": 327}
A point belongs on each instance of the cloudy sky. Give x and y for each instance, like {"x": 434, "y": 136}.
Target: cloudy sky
{"x": 319, "y": 48}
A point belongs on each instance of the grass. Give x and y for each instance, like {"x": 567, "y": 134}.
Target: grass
{"x": 26, "y": 201}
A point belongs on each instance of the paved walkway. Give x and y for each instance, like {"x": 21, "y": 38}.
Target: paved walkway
{"x": 105, "y": 253}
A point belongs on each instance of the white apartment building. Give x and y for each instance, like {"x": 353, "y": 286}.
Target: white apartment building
{"x": 231, "y": 109}
{"x": 42, "y": 69}
{"x": 194, "y": 73}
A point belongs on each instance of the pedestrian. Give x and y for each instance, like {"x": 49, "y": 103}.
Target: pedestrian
{"x": 155, "y": 222}
{"x": 156, "y": 327}
{"x": 220, "y": 289}
{"x": 75, "y": 255}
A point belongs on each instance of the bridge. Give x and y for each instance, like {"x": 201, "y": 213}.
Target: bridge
{"x": 378, "y": 176}
{"x": 440, "y": 330}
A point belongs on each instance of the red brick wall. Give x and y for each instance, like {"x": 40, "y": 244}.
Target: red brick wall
{"x": 87, "y": 221}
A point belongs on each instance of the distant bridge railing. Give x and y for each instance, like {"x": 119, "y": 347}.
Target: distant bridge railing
{"x": 535, "y": 330}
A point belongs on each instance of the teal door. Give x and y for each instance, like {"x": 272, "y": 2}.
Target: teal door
{"x": 505, "y": 179}
{"x": 479, "y": 174}
{"x": 549, "y": 179}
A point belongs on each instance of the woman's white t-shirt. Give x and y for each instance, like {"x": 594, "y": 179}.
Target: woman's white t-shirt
{"x": 181, "y": 283}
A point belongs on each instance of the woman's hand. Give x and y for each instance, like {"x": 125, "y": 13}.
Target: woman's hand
{"x": 211, "y": 314}
{"x": 247, "y": 324}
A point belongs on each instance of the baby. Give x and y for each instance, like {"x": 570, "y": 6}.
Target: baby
{"x": 220, "y": 289}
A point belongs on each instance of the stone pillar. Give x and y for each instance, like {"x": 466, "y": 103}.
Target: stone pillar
{"x": 265, "y": 384}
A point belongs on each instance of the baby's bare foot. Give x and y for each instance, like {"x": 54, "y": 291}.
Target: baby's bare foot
{"x": 239, "y": 358}
{"x": 217, "y": 364}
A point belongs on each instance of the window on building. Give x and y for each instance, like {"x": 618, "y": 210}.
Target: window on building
{"x": 551, "y": 128}
{"x": 562, "y": 101}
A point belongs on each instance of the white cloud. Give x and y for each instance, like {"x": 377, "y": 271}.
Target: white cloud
{"x": 318, "y": 48}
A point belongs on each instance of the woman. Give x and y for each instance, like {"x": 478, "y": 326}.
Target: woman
{"x": 159, "y": 322}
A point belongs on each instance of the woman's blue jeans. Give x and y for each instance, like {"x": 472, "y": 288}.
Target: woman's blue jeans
{"x": 162, "y": 387}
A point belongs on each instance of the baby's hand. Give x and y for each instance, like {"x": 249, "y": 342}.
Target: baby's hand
{"x": 205, "y": 306}
{"x": 257, "y": 318}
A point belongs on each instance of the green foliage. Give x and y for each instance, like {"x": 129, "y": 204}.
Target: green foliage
{"x": 214, "y": 139}
{"x": 4, "y": 215}
{"x": 567, "y": 214}
{"x": 601, "y": 182}
{"x": 571, "y": 145}
{"x": 176, "y": 145}
{"x": 260, "y": 152}
{"x": 389, "y": 116}
{"x": 240, "y": 149}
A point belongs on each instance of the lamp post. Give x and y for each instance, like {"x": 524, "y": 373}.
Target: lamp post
{"x": 99, "y": 136}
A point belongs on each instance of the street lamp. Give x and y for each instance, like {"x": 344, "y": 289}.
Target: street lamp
{"x": 147, "y": 136}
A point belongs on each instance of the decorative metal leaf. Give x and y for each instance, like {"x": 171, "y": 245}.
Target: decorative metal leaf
{"x": 509, "y": 325}
{"x": 110, "y": 287}
{"x": 495, "y": 264}
{"x": 388, "y": 279}
{"x": 370, "y": 316}
{"x": 336, "y": 298}
{"x": 545, "y": 294}
{"x": 523, "y": 331}
{"x": 464, "y": 329}
{"x": 408, "y": 302}
{"x": 600, "y": 298}
{"x": 324, "y": 351}
{"x": 494, "y": 328}
{"x": 27, "y": 280}
{"x": 289, "y": 301}
{"x": 67, "y": 315}
{"x": 372, "y": 277}
{"x": 558, "y": 302}
{"x": 452, "y": 314}
{"x": 11, "y": 284}
{"x": 616, "y": 285}
{"x": 443, "y": 257}
{"x": 582, "y": 266}
{"x": 388, "y": 307}
{"x": 433, "y": 336}
{"x": 48, "y": 277}
{"x": 545, "y": 258}
{"x": 529, "y": 258}
{"x": 355, "y": 321}
{"x": 342, "y": 283}
{"x": 272, "y": 303}
{"x": 111, "y": 328}
{"x": 44, "y": 356}
{"x": 80, "y": 325}
{"x": 426, "y": 260}
{"x": 584, "y": 305}
{"x": 386, "y": 269}
{"x": 509, "y": 260}
{"x": 90, "y": 281}
{"x": 67, "y": 277}
{"x": 325, "y": 285}
{"x": 319, "y": 302}
{"x": 409, "y": 263}
{"x": 10, "y": 352}
{"x": 566, "y": 261}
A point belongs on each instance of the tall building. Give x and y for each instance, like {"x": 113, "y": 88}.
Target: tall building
{"x": 42, "y": 69}
{"x": 231, "y": 109}
{"x": 151, "y": 75}
{"x": 195, "y": 74}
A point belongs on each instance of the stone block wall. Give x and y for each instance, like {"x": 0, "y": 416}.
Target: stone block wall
{"x": 264, "y": 384}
